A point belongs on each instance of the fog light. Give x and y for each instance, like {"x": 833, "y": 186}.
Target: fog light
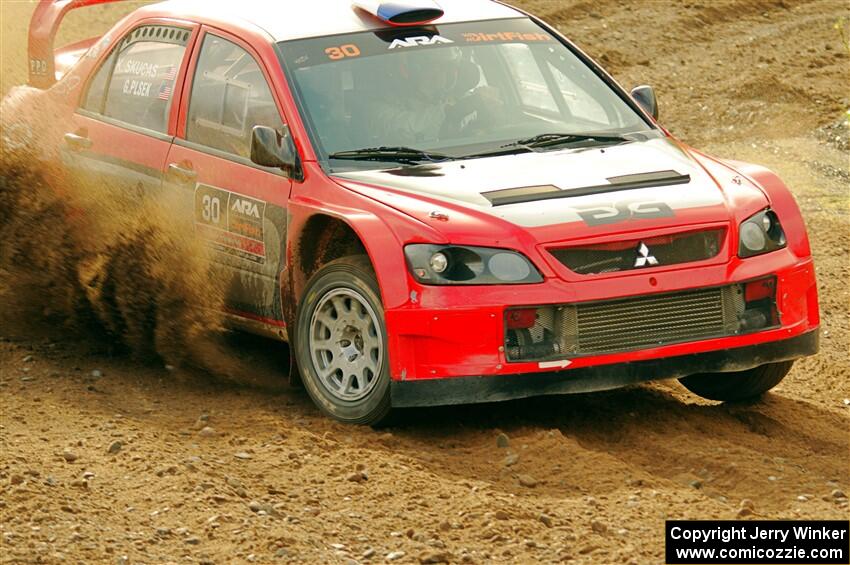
{"x": 752, "y": 320}
{"x": 439, "y": 262}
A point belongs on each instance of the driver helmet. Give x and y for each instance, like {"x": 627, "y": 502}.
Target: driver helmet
{"x": 432, "y": 72}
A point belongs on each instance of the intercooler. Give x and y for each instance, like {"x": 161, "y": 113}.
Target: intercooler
{"x": 594, "y": 328}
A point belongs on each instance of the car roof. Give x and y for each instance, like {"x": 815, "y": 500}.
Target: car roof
{"x": 286, "y": 19}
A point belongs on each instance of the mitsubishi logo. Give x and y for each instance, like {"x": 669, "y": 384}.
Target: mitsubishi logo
{"x": 644, "y": 259}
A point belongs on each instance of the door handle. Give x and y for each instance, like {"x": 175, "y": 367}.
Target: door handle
{"x": 182, "y": 173}
{"x": 78, "y": 142}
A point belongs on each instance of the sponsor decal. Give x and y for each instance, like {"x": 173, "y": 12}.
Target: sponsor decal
{"x": 621, "y": 211}
{"x": 232, "y": 223}
{"x": 246, "y": 207}
{"x": 419, "y": 40}
{"x": 38, "y": 67}
{"x": 504, "y": 36}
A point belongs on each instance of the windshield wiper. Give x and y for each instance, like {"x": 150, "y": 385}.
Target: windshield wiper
{"x": 393, "y": 154}
{"x": 510, "y": 149}
{"x": 552, "y": 139}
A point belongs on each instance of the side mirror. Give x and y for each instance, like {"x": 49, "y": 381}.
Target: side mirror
{"x": 268, "y": 149}
{"x": 645, "y": 96}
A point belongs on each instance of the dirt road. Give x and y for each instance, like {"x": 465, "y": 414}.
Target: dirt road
{"x": 105, "y": 458}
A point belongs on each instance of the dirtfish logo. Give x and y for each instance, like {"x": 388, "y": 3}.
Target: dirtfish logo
{"x": 418, "y": 40}
{"x": 246, "y": 208}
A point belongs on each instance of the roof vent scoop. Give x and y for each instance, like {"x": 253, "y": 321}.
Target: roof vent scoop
{"x": 402, "y": 12}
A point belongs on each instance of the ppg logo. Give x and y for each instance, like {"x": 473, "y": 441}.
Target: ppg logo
{"x": 622, "y": 211}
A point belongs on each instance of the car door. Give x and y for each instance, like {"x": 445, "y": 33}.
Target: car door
{"x": 238, "y": 208}
{"x": 124, "y": 125}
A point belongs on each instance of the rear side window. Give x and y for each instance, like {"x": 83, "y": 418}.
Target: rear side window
{"x": 230, "y": 96}
{"x": 135, "y": 84}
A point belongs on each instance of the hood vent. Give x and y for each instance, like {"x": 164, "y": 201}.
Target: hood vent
{"x": 615, "y": 184}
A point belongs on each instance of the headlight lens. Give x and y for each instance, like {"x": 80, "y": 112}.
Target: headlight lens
{"x": 461, "y": 265}
{"x": 761, "y": 233}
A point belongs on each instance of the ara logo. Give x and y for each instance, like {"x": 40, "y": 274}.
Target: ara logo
{"x": 245, "y": 207}
{"x": 644, "y": 257}
{"x": 419, "y": 40}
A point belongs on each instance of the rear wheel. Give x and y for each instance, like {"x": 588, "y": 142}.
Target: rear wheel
{"x": 341, "y": 343}
{"x": 740, "y": 385}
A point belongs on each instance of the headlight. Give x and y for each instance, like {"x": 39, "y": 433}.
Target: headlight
{"x": 456, "y": 265}
{"x": 760, "y": 234}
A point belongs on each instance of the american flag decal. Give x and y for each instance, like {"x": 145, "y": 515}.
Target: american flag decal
{"x": 171, "y": 73}
{"x": 165, "y": 90}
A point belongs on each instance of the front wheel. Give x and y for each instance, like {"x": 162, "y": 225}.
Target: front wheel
{"x": 341, "y": 342}
{"x": 740, "y": 385}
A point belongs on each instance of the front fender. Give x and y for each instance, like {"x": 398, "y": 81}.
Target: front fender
{"x": 783, "y": 203}
{"x": 382, "y": 230}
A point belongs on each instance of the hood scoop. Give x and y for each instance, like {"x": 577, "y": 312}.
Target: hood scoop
{"x": 520, "y": 195}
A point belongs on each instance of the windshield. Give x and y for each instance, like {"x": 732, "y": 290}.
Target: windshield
{"x": 456, "y": 91}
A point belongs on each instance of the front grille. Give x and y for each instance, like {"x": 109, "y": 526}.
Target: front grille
{"x": 594, "y": 328}
{"x": 627, "y": 255}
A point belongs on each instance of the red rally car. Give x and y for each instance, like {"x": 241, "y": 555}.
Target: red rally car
{"x": 439, "y": 203}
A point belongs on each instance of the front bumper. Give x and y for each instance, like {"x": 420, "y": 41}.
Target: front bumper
{"x": 457, "y": 332}
{"x": 469, "y": 390}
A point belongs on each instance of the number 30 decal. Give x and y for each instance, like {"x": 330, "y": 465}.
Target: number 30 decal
{"x": 211, "y": 209}
{"x": 343, "y": 51}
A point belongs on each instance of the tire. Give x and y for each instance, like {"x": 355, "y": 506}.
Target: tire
{"x": 341, "y": 342}
{"x": 740, "y": 385}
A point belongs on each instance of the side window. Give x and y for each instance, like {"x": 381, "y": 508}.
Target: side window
{"x": 533, "y": 91}
{"x": 135, "y": 84}
{"x": 230, "y": 96}
{"x": 96, "y": 95}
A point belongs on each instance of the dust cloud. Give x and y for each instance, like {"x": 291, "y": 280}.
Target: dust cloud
{"x": 76, "y": 252}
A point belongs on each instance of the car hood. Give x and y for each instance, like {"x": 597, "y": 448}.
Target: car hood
{"x": 595, "y": 190}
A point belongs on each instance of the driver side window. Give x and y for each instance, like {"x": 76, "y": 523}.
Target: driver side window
{"x": 229, "y": 97}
